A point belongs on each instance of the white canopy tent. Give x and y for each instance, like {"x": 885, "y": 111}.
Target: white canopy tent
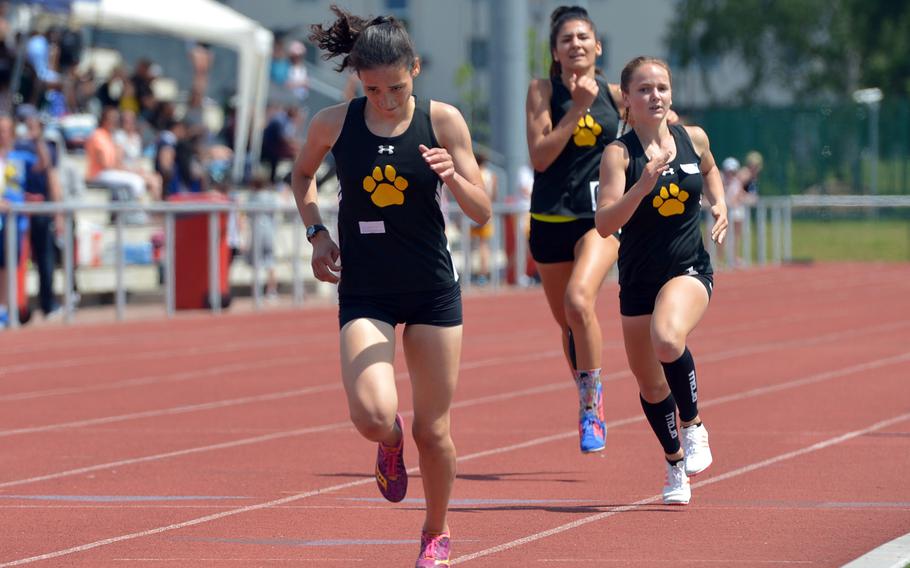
{"x": 210, "y": 22}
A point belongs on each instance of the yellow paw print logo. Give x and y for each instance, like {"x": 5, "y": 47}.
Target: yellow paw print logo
{"x": 386, "y": 186}
{"x": 669, "y": 202}
{"x": 586, "y": 131}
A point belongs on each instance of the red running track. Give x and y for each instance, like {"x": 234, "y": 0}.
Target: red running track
{"x": 224, "y": 441}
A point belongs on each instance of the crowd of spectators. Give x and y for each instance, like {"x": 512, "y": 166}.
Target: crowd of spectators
{"x": 129, "y": 142}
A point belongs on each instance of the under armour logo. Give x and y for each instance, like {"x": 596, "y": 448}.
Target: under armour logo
{"x": 668, "y": 172}
{"x": 386, "y": 149}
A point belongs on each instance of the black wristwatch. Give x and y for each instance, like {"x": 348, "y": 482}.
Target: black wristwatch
{"x": 312, "y": 230}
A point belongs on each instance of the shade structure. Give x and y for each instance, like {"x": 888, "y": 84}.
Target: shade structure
{"x": 206, "y": 21}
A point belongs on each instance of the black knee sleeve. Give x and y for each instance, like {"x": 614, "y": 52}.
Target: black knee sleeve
{"x": 681, "y": 378}
{"x": 662, "y": 417}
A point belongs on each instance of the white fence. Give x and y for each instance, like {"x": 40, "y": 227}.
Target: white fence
{"x": 295, "y": 260}
{"x": 771, "y": 217}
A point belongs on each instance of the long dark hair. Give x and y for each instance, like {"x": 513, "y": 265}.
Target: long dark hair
{"x": 559, "y": 17}
{"x": 365, "y": 43}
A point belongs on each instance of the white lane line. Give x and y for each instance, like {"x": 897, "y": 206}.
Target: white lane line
{"x": 818, "y": 377}
{"x": 171, "y": 377}
{"x": 655, "y": 498}
{"x": 181, "y": 340}
{"x": 233, "y": 347}
{"x": 127, "y": 356}
{"x": 178, "y": 453}
{"x": 401, "y": 375}
{"x": 189, "y": 523}
{"x": 184, "y": 409}
{"x": 180, "y": 376}
{"x": 502, "y": 450}
{"x": 753, "y": 324}
{"x": 265, "y": 397}
{"x": 674, "y": 561}
{"x": 756, "y": 284}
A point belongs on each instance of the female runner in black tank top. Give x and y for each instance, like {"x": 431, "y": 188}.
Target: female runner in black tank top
{"x": 652, "y": 180}
{"x": 392, "y": 153}
{"x": 571, "y": 117}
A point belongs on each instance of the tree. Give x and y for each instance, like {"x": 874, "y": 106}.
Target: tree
{"x": 817, "y": 49}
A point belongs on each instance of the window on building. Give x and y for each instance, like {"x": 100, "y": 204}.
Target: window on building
{"x": 480, "y": 53}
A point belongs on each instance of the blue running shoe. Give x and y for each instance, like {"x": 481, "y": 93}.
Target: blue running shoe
{"x": 592, "y": 432}
{"x": 592, "y": 429}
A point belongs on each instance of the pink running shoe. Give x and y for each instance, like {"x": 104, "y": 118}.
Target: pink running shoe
{"x": 434, "y": 550}
{"x": 391, "y": 475}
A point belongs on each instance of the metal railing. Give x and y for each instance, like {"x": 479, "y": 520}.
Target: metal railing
{"x": 767, "y": 233}
{"x": 170, "y": 212}
{"x": 768, "y": 222}
{"x": 776, "y": 212}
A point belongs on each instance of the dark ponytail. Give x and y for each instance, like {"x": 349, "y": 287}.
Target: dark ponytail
{"x": 560, "y": 16}
{"x": 365, "y": 44}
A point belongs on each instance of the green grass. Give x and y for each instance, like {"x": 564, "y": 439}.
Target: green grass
{"x": 844, "y": 240}
{"x": 851, "y": 240}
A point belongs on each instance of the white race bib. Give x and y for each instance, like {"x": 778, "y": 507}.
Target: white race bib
{"x": 372, "y": 227}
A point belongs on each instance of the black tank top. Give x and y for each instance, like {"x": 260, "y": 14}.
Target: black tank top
{"x": 663, "y": 238}
{"x": 569, "y": 186}
{"x": 390, "y": 225}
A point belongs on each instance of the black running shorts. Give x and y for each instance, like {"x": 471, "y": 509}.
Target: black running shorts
{"x": 441, "y": 308}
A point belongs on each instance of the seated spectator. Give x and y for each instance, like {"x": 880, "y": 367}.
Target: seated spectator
{"x": 82, "y": 97}
{"x": 104, "y": 163}
{"x": 111, "y": 91}
{"x": 165, "y": 112}
{"x": 219, "y": 160}
{"x": 129, "y": 141}
{"x": 143, "y": 77}
{"x": 128, "y": 100}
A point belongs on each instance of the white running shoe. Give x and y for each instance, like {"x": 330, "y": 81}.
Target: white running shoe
{"x": 677, "y": 490}
{"x": 695, "y": 444}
